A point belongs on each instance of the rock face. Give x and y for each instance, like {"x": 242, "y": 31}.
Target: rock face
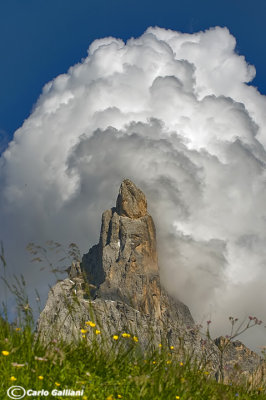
{"x": 124, "y": 266}
{"x": 117, "y": 285}
{"x": 240, "y": 363}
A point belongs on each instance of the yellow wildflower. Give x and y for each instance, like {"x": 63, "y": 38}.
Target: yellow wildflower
{"x": 168, "y": 362}
{"x": 97, "y": 332}
{"x": 115, "y": 337}
{"x": 85, "y": 398}
{"x": 5, "y": 353}
{"x": 111, "y": 397}
{"x": 126, "y": 335}
{"x": 84, "y": 336}
{"x": 172, "y": 347}
{"x": 160, "y": 345}
{"x": 90, "y": 323}
{"x": 83, "y": 330}
{"x": 13, "y": 378}
{"x": 57, "y": 384}
{"x": 154, "y": 362}
{"x": 40, "y": 377}
{"x": 206, "y": 373}
{"x": 119, "y": 396}
{"x": 181, "y": 364}
{"x": 18, "y": 329}
{"x": 135, "y": 339}
{"x": 177, "y": 397}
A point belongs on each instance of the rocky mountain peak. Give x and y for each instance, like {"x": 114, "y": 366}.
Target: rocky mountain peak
{"x": 122, "y": 275}
{"x": 124, "y": 266}
{"x": 131, "y": 201}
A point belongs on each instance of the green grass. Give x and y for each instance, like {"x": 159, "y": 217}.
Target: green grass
{"x": 121, "y": 371}
{"x": 104, "y": 367}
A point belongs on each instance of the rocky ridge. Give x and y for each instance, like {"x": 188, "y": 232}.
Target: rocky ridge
{"x": 117, "y": 285}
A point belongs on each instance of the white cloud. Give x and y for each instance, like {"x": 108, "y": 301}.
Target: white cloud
{"x": 174, "y": 113}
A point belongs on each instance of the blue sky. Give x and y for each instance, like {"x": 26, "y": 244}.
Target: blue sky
{"x": 41, "y": 39}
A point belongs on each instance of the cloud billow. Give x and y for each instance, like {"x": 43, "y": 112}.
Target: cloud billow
{"x": 173, "y": 112}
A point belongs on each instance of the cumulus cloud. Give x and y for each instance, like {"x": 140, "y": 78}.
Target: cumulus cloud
{"x": 175, "y": 113}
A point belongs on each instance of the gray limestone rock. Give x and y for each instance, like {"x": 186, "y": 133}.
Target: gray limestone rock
{"x": 240, "y": 363}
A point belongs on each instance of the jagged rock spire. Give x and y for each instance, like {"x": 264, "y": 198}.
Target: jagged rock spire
{"x": 124, "y": 265}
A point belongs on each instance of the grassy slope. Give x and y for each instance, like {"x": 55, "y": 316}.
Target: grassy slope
{"x": 121, "y": 372}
